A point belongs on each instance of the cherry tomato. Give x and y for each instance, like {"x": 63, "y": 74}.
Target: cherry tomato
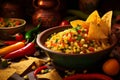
{"x": 64, "y": 22}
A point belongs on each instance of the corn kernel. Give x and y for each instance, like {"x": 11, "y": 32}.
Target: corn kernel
{"x": 85, "y": 45}
{"x": 42, "y": 71}
{"x": 81, "y": 52}
{"x": 85, "y": 35}
{"x": 82, "y": 41}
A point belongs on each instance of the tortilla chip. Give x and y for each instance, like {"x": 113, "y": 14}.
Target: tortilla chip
{"x": 104, "y": 44}
{"x": 93, "y": 17}
{"x": 38, "y": 62}
{"x": 107, "y": 18}
{"x": 6, "y": 73}
{"x": 104, "y": 27}
{"x": 75, "y": 23}
{"x": 52, "y": 75}
{"x": 99, "y": 28}
{"x": 95, "y": 32}
{"x": 22, "y": 66}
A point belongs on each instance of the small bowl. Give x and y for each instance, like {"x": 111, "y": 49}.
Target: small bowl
{"x": 7, "y": 32}
{"x": 72, "y": 61}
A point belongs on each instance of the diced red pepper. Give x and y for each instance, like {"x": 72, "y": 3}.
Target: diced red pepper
{"x": 79, "y": 31}
{"x": 80, "y": 45}
{"x": 91, "y": 49}
{"x": 71, "y": 39}
{"x": 17, "y": 22}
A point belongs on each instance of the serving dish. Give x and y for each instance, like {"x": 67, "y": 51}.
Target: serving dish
{"x": 73, "y": 61}
{"x": 10, "y": 26}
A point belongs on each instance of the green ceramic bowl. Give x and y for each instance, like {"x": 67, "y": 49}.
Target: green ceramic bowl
{"x": 72, "y": 61}
{"x": 7, "y": 32}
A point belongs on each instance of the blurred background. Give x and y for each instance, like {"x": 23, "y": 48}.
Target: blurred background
{"x": 26, "y": 9}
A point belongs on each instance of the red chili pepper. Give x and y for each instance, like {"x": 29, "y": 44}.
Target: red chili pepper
{"x": 29, "y": 49}
{"x": 7, "y": 49}
{"x": 18, "y": 36}
{"x": 92, "y": 76}
{"x": 9, "y": 42}
{"x": 39, "y": 69}
{"x": 12, "y": 42}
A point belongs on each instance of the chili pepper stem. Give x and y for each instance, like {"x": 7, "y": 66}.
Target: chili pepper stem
{"x": 27, "y": 41}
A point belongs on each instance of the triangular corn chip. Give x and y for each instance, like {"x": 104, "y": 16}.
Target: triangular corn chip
{"x": 52, "y": 75}
{"x": 104, "y": 27}
{"x": 38, "y": 61}
{"x": 75, "y": 23}
{"x": 107, "y": 18}
{"x": 104, "y": 44}
{"x": 21, "y": 66}
{"x": 93, "y": 17}
{"x": 95, "y": 32}
{"x": 99, "y": 28}
{"x": 6, "y": 73}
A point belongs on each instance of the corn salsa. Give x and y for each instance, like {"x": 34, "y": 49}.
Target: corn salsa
{"x": 74, "y": 41}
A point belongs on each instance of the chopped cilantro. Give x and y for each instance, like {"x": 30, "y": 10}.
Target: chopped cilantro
{"x": 79, "y": 37}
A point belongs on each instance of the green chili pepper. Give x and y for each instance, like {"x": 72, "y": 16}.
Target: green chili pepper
{"x": 29, "y": 35}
